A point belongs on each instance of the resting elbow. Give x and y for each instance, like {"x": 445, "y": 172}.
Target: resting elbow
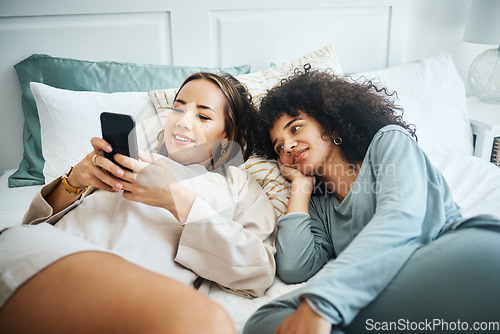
{"x": 290, "y": 273}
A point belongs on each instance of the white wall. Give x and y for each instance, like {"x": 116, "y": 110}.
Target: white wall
{"x": 434, "y": 26}
{"x": 438, "y": 26}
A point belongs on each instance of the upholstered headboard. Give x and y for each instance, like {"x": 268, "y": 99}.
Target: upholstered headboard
{"x": 366, "y": 35}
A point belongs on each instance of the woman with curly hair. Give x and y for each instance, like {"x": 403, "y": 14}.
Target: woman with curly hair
{"x": 369, "y": 217}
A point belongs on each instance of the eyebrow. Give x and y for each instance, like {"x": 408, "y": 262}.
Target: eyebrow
{"x": 287, "y": 125}
{"x": 198, "y": 106}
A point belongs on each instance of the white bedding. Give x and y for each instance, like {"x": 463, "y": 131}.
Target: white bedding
{"x": 474, "y": 183}
{"x": 14, "y": 201}
{"x": 240, "y": 309}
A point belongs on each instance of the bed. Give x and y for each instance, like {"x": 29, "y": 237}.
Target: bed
{"x": 131, "y": 57}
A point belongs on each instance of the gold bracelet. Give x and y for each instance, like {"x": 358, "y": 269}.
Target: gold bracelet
{"x": 69, "y": 188}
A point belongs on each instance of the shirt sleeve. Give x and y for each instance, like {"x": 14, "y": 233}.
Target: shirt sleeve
{"x": 40, "y": 211}
{"x": 367, "y": 265}
{"x": 302, "y": 245}
{"x": 236, "y": 253}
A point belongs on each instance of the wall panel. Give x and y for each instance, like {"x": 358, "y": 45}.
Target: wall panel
{"x": 263, "y": 34}
{"x": 128, "y": 37}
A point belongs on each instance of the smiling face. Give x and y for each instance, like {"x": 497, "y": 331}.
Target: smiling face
{"x": 195, "y": 126}
{"x": 300, "y": 142}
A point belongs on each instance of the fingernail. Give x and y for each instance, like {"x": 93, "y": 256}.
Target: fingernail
{"x": 120, "y": 172}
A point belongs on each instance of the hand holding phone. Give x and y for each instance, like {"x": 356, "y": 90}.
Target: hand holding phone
{"x": 119, "y": 131}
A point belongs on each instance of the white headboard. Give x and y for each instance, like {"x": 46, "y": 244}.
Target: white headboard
{"x": 366, "y": 35}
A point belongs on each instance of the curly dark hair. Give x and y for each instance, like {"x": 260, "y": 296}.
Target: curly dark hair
{"x": 353, "y": 109}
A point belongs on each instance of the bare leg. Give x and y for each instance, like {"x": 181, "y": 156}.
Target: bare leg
{"x": 94, "y": 292}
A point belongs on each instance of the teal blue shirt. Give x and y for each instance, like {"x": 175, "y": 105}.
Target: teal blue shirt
{"x": 398, "y": 203}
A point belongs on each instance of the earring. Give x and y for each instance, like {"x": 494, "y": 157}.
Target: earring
{"x": 337, "y": 141}
{"x": 223, "y": 151}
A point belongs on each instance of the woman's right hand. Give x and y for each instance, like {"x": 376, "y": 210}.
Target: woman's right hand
{"x": 300, "y": 190}
{"x": 96, "y": 170}
{"x": 294, "y": 175}
{"x": 93, "y": 170}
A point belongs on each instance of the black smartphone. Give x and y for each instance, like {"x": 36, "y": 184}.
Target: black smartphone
{"x": 119, "y": 131}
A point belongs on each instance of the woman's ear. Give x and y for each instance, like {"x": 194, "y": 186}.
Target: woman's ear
{"x": 328, "y": 135}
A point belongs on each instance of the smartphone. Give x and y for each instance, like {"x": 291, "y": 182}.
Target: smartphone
{"x": 119, "y": 131}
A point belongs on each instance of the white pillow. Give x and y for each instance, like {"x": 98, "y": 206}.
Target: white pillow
{"x": 433, "y": 96}
{"x": 266, "y": 172}
{"x": 69, "y": 119}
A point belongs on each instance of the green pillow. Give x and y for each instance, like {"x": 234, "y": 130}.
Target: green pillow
{"x": 80, "y": 75}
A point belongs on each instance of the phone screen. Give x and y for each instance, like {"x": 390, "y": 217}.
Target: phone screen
{"x": 120, "y": 132}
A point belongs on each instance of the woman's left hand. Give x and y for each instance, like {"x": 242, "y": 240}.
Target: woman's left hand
{"x": 157, "y": 186}
{"x": 304, "y": 321}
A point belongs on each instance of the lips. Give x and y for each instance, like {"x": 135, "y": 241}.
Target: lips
{"x": 299, "y": 156}
{"x": 182, "y": 140}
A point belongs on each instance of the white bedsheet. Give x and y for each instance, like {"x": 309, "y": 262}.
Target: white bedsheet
{"x": 240, "y": 309}
{"x": 14, "y": 202}
{"x": 475, "y": 185}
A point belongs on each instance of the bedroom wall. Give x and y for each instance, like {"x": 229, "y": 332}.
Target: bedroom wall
{"x": 437, "y": 26}
{"x": 433, "y": 26}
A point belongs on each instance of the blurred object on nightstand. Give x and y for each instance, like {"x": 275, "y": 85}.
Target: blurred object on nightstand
{"x": 483, "y": 27}
{"x": 495, "y": 156}
{"x": 485, "y": 122}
